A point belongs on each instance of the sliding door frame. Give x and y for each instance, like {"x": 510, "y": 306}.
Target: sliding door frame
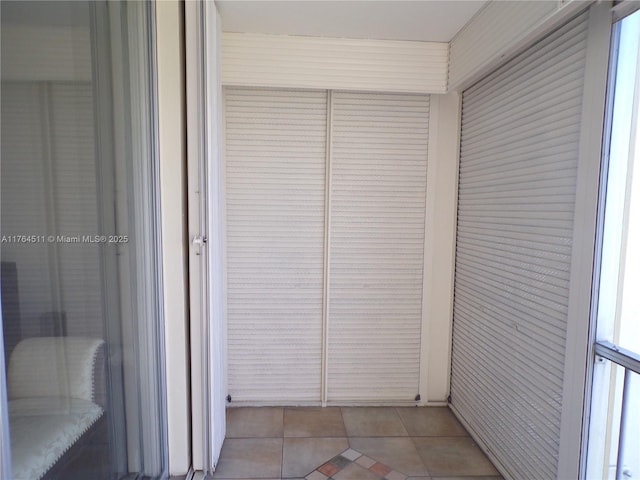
{"x": 5, "y": 441}
{"x": 206, "y": 234}
{"x": 579, "y": 349}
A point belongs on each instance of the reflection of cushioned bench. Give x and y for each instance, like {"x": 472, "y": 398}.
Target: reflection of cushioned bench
{"x": 52, "y": 400}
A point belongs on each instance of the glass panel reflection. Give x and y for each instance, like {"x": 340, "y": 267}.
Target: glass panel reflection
{"x": 80, "y": 316}
{"x": 614, "y": 432}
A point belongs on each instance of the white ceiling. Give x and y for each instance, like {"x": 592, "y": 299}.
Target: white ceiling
{"x": 424, "y": 20}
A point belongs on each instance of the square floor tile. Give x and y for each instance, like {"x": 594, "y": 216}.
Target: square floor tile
{"x": 450, "y": 456}
{"x": 340, "y": 461}
{"x": 379, "y": 469}
{"x": 246, "y": 422}
{"x": 373, "y": 422}
{"x": 356, "y": 472}
{"x": 431, "y": 421}
{"x": 316, "y": 476}
{"x": 250, "y": 458}
{"x": 466, "y": 478}
{"x": 301, "y": 456}
{"x": 398, "y": 453}
{"x": 365, "y": 461}
{"x": 395, "y": 476}
{"x": 351, "y": 454}
{"x": 328, "y": 469}
{"x": 313, "y": 422}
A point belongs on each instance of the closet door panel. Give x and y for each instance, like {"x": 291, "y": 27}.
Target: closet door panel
{"x": 275, "y": 180}
{"x": 377, "y": 213}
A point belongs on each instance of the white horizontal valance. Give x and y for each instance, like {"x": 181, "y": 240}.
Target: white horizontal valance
{"x": 499, "y": 31}
{"x": 285, "y": 61}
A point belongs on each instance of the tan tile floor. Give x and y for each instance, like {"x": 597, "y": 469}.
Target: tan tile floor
{"x": 370, "y": 443}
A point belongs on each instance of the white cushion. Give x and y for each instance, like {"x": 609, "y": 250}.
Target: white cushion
{"x": 53, "y": 367}
{"x": 43, "y": 429}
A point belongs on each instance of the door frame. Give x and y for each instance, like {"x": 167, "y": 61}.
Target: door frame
{"x": 206, "y": 233}
{"x": 578, "y": 347}
{"x": 600, "y": 348}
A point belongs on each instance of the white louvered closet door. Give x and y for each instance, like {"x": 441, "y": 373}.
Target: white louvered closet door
{"x": 377, "y": 213}
{"x": 275, "y": 170}
{"x": 518, "y": 170}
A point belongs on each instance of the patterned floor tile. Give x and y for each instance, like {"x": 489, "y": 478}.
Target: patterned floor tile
{"x": 346, "y": 467}
{"x": 351, "y": 454}
{"x": 356, "y": 472}
{"x": 304, "y": 455}
{"x": 468, "y": 478}
{"x": 349, "y": 443}
{"x": 365, "y": 461}
{"x": 398, "y": 453}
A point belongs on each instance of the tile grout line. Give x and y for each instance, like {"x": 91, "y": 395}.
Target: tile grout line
{"x": 395, "y": 409}
{"x": 415, "y": 445}
{"x": 344, "y": 427}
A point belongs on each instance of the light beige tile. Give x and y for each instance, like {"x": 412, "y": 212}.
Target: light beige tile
{"x": 313, "y": 422}
{"x": 395, "y": 476}
{"x": 467, "y": 478}
{"x": 316, "y": 476}
{"x": 365, "y": 461}
{"x": 355, "y": 472}
{"x": 351, "y": 454}
{"x": 451, "y": 456}
{"x": 303, "y": 455}
{"x": 431, "y": 422}
{"x": 397, "y": 453}
{"x": 249, "y": 422}
{"x": 250, "y": 458}
{"x": 373, "y": 422}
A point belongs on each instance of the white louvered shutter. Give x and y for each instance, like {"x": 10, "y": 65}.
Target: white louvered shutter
{"x": 378, "y": 183}
{"x": 275, "y": 169}
{"x": 49, "y": 187}
{"x": 76, "y": 205}
{"x": 518, "y": 167}
{"x": 25, "y": 198}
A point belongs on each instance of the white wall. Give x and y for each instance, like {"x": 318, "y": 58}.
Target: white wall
{"x": 440, "y": 241}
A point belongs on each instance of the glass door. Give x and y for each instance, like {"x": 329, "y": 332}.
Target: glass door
{"x": 614, "y": 430}
{"x": 81, "y": 316}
